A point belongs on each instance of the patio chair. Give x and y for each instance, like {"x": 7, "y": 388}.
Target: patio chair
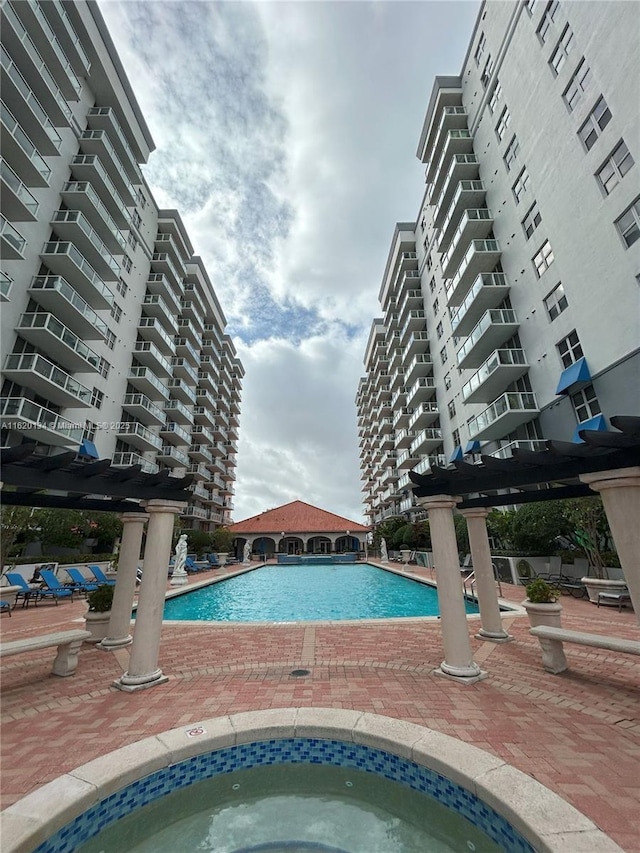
{"x": 80, "y": 582}
{"x": 213, "y": 560}
{"x": 100, "y": 576}
{"x": 5, "y": 607}
{"x": 53, "y": 585}
{"x": 29, "y": 593}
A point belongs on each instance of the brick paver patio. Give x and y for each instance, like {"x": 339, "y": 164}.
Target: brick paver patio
{"x": 578, "y": 732}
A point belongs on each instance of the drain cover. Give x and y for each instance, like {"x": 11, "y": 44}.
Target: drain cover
{"x": 298, "y": 673}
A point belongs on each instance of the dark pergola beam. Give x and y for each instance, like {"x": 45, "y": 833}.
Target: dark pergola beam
{"x": 555, "y": 494}
{"x": 62, "y": 502}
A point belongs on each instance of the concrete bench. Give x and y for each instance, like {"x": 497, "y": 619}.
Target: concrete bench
{"x": 551, "y": 640}
{"x": 67, "y": 642}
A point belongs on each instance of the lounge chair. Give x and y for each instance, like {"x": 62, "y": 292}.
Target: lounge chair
{"x": 80, "y": 582}
{"x": 53, "y": 585}
{"x": 100, "y": 576}
{"x": 213, "y": 561}
{"x": 5, "y": 607}
{"x": 28, "y": 593}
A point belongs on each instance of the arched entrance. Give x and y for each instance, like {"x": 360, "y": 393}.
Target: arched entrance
{"x": 319, "y": 545}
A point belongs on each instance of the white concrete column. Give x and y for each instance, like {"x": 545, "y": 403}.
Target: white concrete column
{"x": 118, "y": 633}
{"x": 458, "y": 663}
{"x": 620, "y": 492}
{"x": 485, "y": 581}
{"x": 143, "y": 664}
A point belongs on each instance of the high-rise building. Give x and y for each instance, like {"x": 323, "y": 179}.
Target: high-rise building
{"x": 513, "y": 301}
{"x": 113, "y": 339}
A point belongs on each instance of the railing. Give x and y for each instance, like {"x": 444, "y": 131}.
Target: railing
{"x": 62, "y": 286}
{"x": 476, "y": 246}
{"x": 90, "y": 232}
{"x": 509, "y": 402}
{"x": 456, "y": 160}
{"x": 493, "y": 315}
{"x": 94, "y": 160}
{"x": 25, "y": 143}
{"x": 87, "y": 188}
{"x": 126, "y": 460}
{"x": 497, "y": 359}
{"x": 463, "y": 186}
{"x": 134, "y": 428}
{"x": 82, "y": 263}
{"x": 473, "y": 214}
{"x": 485, "y": 279}
{"x": 28, "y": 94}
{"x": 41, "y": 320}
{"x": 56, "y": 46}
{"x": 43, "y": 367}
{"x": 12, "y": 235}
{"x": 151, "y": 378}
{"x": 19, "y": 188}
{"x": 154, "y": 323}
{"x": 21, "y": 409}
{"x": 143, "y": 401}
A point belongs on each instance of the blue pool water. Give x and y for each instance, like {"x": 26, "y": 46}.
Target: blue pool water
{"x": 306, "y": 593}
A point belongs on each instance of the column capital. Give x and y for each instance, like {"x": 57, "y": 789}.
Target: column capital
{"x": 439, "y": 502}
{"x": 475, "y": 512}
{"x": 612, "y": 479}
{"x": 134, "y": 516}
{"x": 158, "y": 505}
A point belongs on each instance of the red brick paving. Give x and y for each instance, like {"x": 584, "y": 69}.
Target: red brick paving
{"x": 578, "y": 732}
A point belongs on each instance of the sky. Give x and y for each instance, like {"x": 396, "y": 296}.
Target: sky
{"x": 285, "y": 135}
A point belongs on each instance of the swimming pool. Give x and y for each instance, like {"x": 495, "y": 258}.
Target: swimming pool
{"x": 301, "y": 593}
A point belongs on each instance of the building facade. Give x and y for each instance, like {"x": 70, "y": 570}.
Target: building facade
{"x": 525, "y": 299}
{"x": 113, "y": 339}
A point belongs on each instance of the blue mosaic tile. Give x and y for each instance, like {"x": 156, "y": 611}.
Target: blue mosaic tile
{"x": 286, "y": 751}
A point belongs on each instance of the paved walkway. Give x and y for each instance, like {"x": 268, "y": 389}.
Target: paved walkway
{"x": 578, "y": 732}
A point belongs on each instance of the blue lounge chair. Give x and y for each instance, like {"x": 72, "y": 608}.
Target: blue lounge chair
{"x": 5, "y": 607}
{"x": 213, "y": 560}
{"x": 54, "y": 586}
{"x": 28, "y": 593}
{"x": 100, "y": 576}
{"x": 80, "y": 582}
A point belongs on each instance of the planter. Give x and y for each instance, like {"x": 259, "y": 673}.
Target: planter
{"x": 222, "y": 557}
{"x": 543, "y": 614}
{"x": 405, "y": 555}
{"x": 97, "y": 624}
{"x": 597, "y": 585}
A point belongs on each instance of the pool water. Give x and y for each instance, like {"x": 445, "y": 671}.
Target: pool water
{"x": 304, "y": 593}
{"x": 294, "y": 809}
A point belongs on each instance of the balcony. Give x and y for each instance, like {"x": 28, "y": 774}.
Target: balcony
{"x": 201, "y": 493}
{"x": 148, "y": 354}
{"x": 66, "y": 260}
{"x": 426, "y": 441}
{"x": 143, "y": 379}
{"x": 21, "y": 100}
{"x": 503, "y": 416}
{"x": 126, "y": 460}
{"x": 13, "y": 243}
{"x": 166, "y": 242}
{"x": 189, "y": 330}
{"x": 488, "y": 291}
{"x": 80, "y": 195}
{"x": 98, "y": 142}
{"x": 155, "y": 306}
{"x": 46, "y": 379}
{"x": 481, "y": 256}
{"x": 396, "y": 381}
{"x": 476, "y": 224}
{"x": 452, "y": 118}
{"x": 40, "y": 424}
{"x": 182, "y": 369}
{"x": 181, "y": 391}
{"x": 209, "y": 364}
{"x": 48, "y": 334}
{"x": 18, "y": 203}
{"x": 6, "y": 283}
{"x": 138, "y": 435}
{"x": 210, "y": 349}
{"x": 506, "y": 451}
{"x": 88, "y": 167}
{"x": 199, "y": 471}
{"x": 193, "y": 311}
{"x": 206, "y": 383}
{"x": 175, "y": 434}
{"x": 406, "y": 460}
{"x": 151, "y": 330}
{"x": 423, "y": 415}
{"x": 455, "y": 142}
{"x": 416, "y": 322}
{"x": 56, "y": 295}
{"x": 469, "y": 194}
{"x": 173, "y": 457}
{"x": 185, "y": 349}
{"x": 403, "y": 438}
{"x": 202, "y": 434}
{"x": 159, "y": 284}
{"x": 63, "y": 22}
{"x": 161, "y": 262}
{"x": 74, "y": 226}
{"x": 201, "y": 453}
{"x": 502, "y": 368}
{"x": 141, "y": 407}
{"x": 399, "y": 398}
{"x": 422, "y": 389}
{"x": 418, "y": 342}
{"x": 195, "y": 512}
{"x": 494, "y": 328}
{"x": 426, "y": 465}
{"x": 412, "y": 300}
{"x": 178, "y": 412}
{"x": 217, "y": 447}
{"x": 23, "y": 154}
{"x": 420, "y": 365}
{"x": 104, "y": 118}
{"x": 463, "y": 167}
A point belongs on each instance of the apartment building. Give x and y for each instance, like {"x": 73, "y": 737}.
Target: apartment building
{"x": 526, "y": 246}
{"x": 113, "y": 340}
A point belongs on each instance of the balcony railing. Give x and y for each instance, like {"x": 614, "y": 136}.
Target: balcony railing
{"x": 132, "y": 429}
{"x": 51, "y": 250}
{"x": 506, "y": 451}
{"x": 42, "y": 320}
{"x": 46, "y": 284}
{"x": 499, "y": 358}
{"x": 484, "y": 283}
{"x": 498, "y": 316}
{"x": 25, "y": 416}
{"x": 511, "y": 402}
{"x": 34, "y": 363}
{"x": 54, "y": 45}
{"x": 40, "y": 172}
{"x": 13, "y": 243}
{"x": 86, "y": 189}
{"x": 476, "y": 251}
{"x": 126, "y": 460}
{"x": 25, "y": 198}
{"x": 61, "y": 217}
{"x": 142, "y": 401}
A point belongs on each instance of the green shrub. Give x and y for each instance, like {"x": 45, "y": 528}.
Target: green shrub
{"x": 101, "y": 599}
{"x": 540, "y": 592}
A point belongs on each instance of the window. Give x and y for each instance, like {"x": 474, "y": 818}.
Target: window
{"x": 563, "y": 48}
{"x": 543, "y": 259}
{"x": 103, "y": 368}
{"x": 616, "y": 167}
{"x": 137, "y": 219}
{"x": 496, "y": 94}
{"x": 122, "y": 287}
{"x": 110, "y": 340}
{"x": 452, "y": 409}
{"x": 503, "y": 123}
{"x": 141, "y": 199}
{"x": 131, "y": 240}
{"x": 511, "y": 153}
{"x": 429, "y": 262}
{"x": 628, "y": 224}
{"x": 585, "y": 404}
{"x": 432, "y": 284}
{"x": 439, "y": 330}
{"x": 89, "y": 432}
{"x": 521, "y": 184}
{"x": 530, "y": 6}
{"x": 570, "y": 349}
{"x": 443, "y": 355}
{"x": 127, "y": 263}
{"x": 486, "y": 74}
{"x": 436, "y": 306}
{"x": 599, "y": 118}
{"x": 116, "y": 312}
{"x": 447, "y": 382}
{"x": 531, "y": 220}
{"x": 577, "y": 86}
{"x": 547, "y": 19}
{"x": 455, "y": 435}
{"x": 482, "y": 43}
{"x": 96, "y": 398}
{"x": 555, "y": 302}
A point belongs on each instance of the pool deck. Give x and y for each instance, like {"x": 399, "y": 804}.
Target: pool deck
{"x": 578, "y": 733}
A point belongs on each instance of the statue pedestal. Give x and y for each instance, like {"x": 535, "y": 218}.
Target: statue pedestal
{"x": 178, "y": 578}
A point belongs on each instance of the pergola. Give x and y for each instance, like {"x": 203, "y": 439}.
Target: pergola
{"x": 605, "y": 462}
{"x": 67, "y": 481}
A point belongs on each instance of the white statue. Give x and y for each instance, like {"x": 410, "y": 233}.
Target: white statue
{"x": 179, "y": 576}
{"x": 383, "y": 551}
{"x": 246, "y": 554}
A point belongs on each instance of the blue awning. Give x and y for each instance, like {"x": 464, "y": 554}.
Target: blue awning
{"x": 574, "y": 377}
{"x": 88, "y": 448}
{"x": 472, "y": 447}
{"x": 598, "y": 423}
{"x": 456, "y": 455}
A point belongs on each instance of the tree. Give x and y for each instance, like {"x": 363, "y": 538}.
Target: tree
{"x": 105, "y": 527}
{"x": 589, "y": 529}
{"x": 462, "y": 533}
{"x": 499, "y": 528}
{"x": 222, "y": 540}
{"x": 535, "y": 527}
{"x": 404, "y": 537}
{"x": 64, "y": 528}
{"x": 16, "y": 523}
{"x": 386, "y": 530}
{"x": 199, "y": 541}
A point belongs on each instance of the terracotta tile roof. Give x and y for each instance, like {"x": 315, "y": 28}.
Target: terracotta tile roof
{"x": 297, "y": 517}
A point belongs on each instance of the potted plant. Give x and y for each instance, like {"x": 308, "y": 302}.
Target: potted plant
{"x": 541, "y": 604}
{"x": 222, "y": 541}
{"x": 99, "y": 612}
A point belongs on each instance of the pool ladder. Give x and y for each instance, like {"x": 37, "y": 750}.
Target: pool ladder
{"x": 471, "y": 580}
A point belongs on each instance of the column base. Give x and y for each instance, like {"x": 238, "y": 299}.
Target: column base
{"x": 130, "y": 683}
{"x": 462, "y": 674}
{"x": 178, "y": 580}
{"x": 494, "y": 636}
{"x": 111, "y": 644}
